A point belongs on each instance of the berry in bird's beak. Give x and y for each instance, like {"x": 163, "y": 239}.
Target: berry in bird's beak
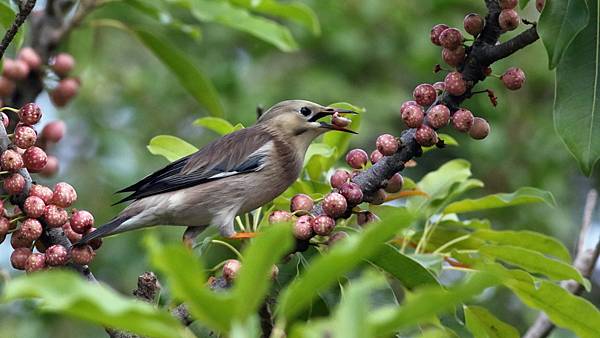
{"x": 338, "y": 122}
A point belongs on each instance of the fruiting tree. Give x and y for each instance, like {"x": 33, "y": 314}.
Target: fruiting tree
{"x": 350, "y": 233}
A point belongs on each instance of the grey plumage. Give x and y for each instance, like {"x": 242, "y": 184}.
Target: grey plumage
{"x": 234, "y": 174}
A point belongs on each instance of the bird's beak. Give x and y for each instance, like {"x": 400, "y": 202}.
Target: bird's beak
{"x": 328, "y": 111}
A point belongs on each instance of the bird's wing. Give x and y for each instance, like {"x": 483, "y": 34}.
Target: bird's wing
{"x": 240, "y": 152}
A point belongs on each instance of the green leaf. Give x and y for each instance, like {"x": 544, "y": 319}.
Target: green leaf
{"x": 216, "y": 124}
{"x": 171, "y": 147}
{"x": 563, "y": 308}
{"x": 526, "y": 239}
{"x": 437, "y": 184}
{"x": 521, "y": 196}
{"x": 157, "y": 11}
{"x": 259, "y": 257}
{"x": 483, "y": 324}
{"x": 560, "y": 22}
{"x": 448, "y": 140}
{"x": 293, "y": 11}
{"x": 523, "y": 3}
{"x": 314, "y": 157}
{"x": 533, "y": 261}
{"x": 66, "y": 293}
{"x": 576, "y": 111}
{"x": 7, "y": 17}
{"x": 325, "y": 270}
{"x": 406, "y": 269}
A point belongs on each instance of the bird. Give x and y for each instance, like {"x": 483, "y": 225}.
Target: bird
{"x": 231, "y": 175}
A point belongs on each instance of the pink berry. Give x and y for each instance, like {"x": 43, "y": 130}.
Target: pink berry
{"x": 5, "y": 119}
{"x": 454, "y": 57}
{"x": 55, "y": 216}
{"x": 42, "y": 192}
{"x": 18, "y": 241}
{"x": 455, "y": 84}
{"x": 424, "y": 94}
{"x": 451, "y": 38}
{"x": 64, "y": 92}
{"x": 337, "y": 237}
{"x": 406, "y": 104}
{"x": 25, "y": 136}
{"x": 15, "y": 69}
{"x": 30, "y": 57}
{"x": 394, "y": 184}
{"x": 19, "y": 257}
{"x": 71, "y": 235}
{"x": 334, "y": 205}
{"x": 508, "y": 4}
{"x": 413, "y": 116}
{"x": 365, "y": 217}
{"x": 13, "y": 184}
{"x": 508, "y": 19}
{"x": 81, "y": 221}
{"x": 11, "y": 160}
{"x": 439, "y": 86}
{"x": 82, "y": 254}
{"x": 387, "y": 144}
{"x": 56, "y": 255}
{"x": 435, "y": 33}
{"x": 64, "y": 195}
{"x": 473, "y": 23}
{"x": 231, "y": 268}
{"x": 340, "y": 121}
{"x": 51, "y": 167}
{"x": 280, "y": 216}
{"x": 35, "y": 262}
{"x": 54, "y": 131}
{"x": 95, "y": 243}
{"x": 323, "y": 225}
{"x": 339, "y": 177}
{"x": 438, "y": 116}
{"x": 375, "y": 156}
{"x": 7, "y": 87}
{"x": 351, "y": 192}
{"x": 30, "y": 114}
{"x": 62, "y": 64}
{"x": 4, "y": 226}
{"x": 426, "y": 136}
{"x": 357, "y": 158}
{"x": 539, "y": 5}
{"x": 35, "y": 158}
{"x": 480, "y": 129}
{"x": 513, "y": 78}
{"x": 301, "y": 204}
{"x": 302, "y": 228}
{"x": 462, "y": 120}
{"x": 34, "y": 206}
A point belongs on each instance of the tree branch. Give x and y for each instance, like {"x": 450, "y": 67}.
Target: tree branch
{"x": 14, "y": 28}
{"x": 509, "y": 47}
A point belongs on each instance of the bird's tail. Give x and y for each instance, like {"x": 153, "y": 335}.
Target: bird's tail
{"x": 105, "y": 230}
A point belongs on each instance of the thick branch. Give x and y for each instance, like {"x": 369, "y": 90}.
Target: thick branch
{"x": 14, "y": 28}
{"x": 509, "y": 47}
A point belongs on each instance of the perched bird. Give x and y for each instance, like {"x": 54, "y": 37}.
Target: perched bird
{"x": 232, "y": 175}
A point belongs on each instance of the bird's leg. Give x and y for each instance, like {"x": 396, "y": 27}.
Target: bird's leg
{"x": 190, "y": 234}
{"x": 243, "y": 235}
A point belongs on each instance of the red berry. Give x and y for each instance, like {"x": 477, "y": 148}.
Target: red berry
{"x": 451, "y": 38}
{"x": 438, "y": 116}
{"x": 7, "y": 87}
{"x": 453, "y": 57}
{"x": 513, "y": 78}
{"x": 357, "y": 158}
{"x": 462, "y": 120}
{"x": 302, "y": 228}
{"x": 64, "y": 92}
{"x": 64, "y": 195}
{"x": 424, "y": 94}
{"x": 82, "y": 254}
{"x": 54, "y": 131}
{"x": 4, "y": 226}
{"x": 34, "y": 206}
{"x": 351, "y": 192}
{"x": 435, "y": 33}
{"x": 55, "y": 216}
{"x": 18, "y": 241}
{"x": 426, "y": 136}
{"x": 19, "y": 257}
{"x": 365, "y": 217}
{"x": 378, "y": 197}
{"x": 13, "y": 184}
{"x": 455, "y": 84}
{"x": 62, "y": 64}
{"x": 81, "y": 221}
{"x": 51, "y": 167}
{"x": 42, "y": 192}
{"x": 439, "y": 86}
{"x": 387, "y": 144}
{"x": 340, "y": 121}
{"x": 31, "y": 229}
{"x": 480, "y": 129}
{"x": 473, "y": 24}
{"x": 15, "y": 69}
{"x": 508, "y": 19}
{"x": 301, "y": 204}
{"x": 35, "y": 158}
{"x": 30, "y": 114}
{"x": 30, "y": 57}
{"x": 375, "y": 156}
{"x": 56, "y": 255}
{"x": 11, "y": 160}
{"x": 539, "y": 5}
{"x": 25, "y": 136}
{"x": 508, "y": 4}
{"x": 5, "y": 119}
{"x": 280, "y": 216}
{"x": 35, "y": 262}
{"x": 339, "y": 177}
{"x": 394, "y": 184}
{"x": 231, "y": 268}
{"x": 336, "y": 237}
{"x": 71, "y": 235}
{"x": 413, "y": 116}
{"x": 406, "y": 104}
{"x": 334, "y": 205}
{"x": 95, "y": 243}
{"x": 323, "y": 225}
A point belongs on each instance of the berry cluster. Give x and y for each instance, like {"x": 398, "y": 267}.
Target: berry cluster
{"x": 29, "y": 63}
{"x": 38, "y": 208}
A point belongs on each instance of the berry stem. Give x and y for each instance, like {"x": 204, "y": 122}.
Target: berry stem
{"x": 9, "y": 109}
{"x": 229, "y": 246}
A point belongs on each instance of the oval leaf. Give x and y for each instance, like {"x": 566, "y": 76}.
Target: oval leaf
{"x": 293, "y": 11}
{"x": 521, "y": 196}
{"x": 526, "y": 239}
{"x": 482, "y": 323}
{"x": 216, "y": 124}
{"x": 171, "y": 147}
{"x": 407, "y": 270}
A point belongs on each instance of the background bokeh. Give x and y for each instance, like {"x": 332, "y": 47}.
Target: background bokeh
{"x": 369, "y": 53}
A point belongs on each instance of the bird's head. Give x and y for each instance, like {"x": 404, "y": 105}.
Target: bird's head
{"x": 298, "y": 120}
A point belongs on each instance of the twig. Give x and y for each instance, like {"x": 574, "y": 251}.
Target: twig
{"x": 24, "y": 12}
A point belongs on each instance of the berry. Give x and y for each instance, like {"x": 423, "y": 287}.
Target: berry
{"x": 55, "y": 216}
{"x": 439, "y": 86}
{"x": 64, "y": 92}
{"x": 11, "y": 160}
{"x": 426, "y": 136}
{"x": 413, "y": 116}
{"x": 453, "y": 57}
{"x": 82, "y": 254}
{"x": 72, "y": 235}
{"x": 424, "y": 94}
{"x": 64, "y": 195}
{"x": 508, "y": 19}
{"x": 231, "y": 268}
{"x": 334, "y": 205}
{"x": 473, "y": 24}
{"x": 4, "y": 226}
{"x": 62, "y": 64}
{"x": 351, "y": 192}
{"x": 339, "y": 177}
{"x": 34, "y": 206}
{"x": 435, "y": 33}
{"x": 56, "y": 255}
{"x": 323, "y": 225}
{"x": 394, "y": 184}
{"x": 480, "y": 129}
{"x": 337, "y": 237}
{"x": 81, "y": 221}
{"x": 53, "y": 131}
{"x": 508, "y": 4}
{"x": 25, "y": 136}
{"x": 513, "y": 78}
{"x": 31, "y": 229}
{"x": 357, "y": 158}
{"x": 455, "y": 84}
{"x": 30, "y": 114}
{"x": 365, "y": 217}
{"x": 378, "y": 197}
{"x": 280, "y": 216}
{"x": 5, "y": 119}
{"x": 95, "y": 243}
{"x": 30, "y": 57}
{"x": 438, "y": 116}
{"x": 19, "y": 257}
{"x": 7, "y": 87}
{"x": 539, "y": 5}
{"x": 42, "y": 192}
{"x": 302, "y": 228}
{"x": 18, "y": 241}
{"x": 375, "y": 156}
{"x": 51, "y": 167}
{"x": 406, "y": 104}
{"x": 451, "y": 38}
{"x": 301, "y": 204}
{"x": 35, "y": 262}
{"x": 35, "y": 158}
{"x": 340, "y": 121}
{"x": 13, "y": 184}
{"x": 462, "y": 120}
{"x": 387, "y": 144}
{"x": 15, "y": 69}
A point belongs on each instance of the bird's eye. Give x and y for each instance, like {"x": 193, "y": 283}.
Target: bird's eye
{"x": 305, "y": 111}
